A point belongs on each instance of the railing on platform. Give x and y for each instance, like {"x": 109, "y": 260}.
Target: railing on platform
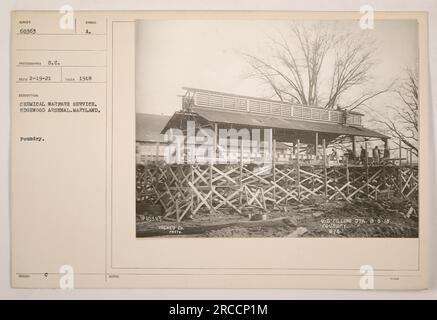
{"x": 284, "y": 155}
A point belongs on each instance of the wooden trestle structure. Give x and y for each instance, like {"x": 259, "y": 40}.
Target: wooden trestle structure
{"x": 185, "y": 189}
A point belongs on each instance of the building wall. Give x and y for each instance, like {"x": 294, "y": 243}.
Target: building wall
{"x": 148, "y": 151}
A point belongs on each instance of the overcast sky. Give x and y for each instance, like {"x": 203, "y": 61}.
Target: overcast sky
{"x": 207, "y": 55}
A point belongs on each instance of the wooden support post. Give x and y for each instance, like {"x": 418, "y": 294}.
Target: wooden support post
{"x": 366, "y": 167}
{"x": 191, "y": 189}
{"x": 367, "y": 153}
{"x": 384, "y": 163}
{"x": 347, "y": 177}
{"x": 241, "y": 173}
{"x": 325, "y": 173}
{"x": 313, "y": 179}
{"x": 298, "y": 169}
{"x": 210, "y": 185}
{"x": 354, "y": 146}
{"x": 316, "y": 146}
{"x": 214, "y": 153}
{"x": 274, "y": 171}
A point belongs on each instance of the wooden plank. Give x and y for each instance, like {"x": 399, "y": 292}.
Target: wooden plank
{"x": 184, "y": 188}
{"x": 210, "y": 183}
{"x": 325, "y": 175}
{"x": 366, "y": 166}
{"x": 298, "y": 169}
{"x": 347, "y": 177}
{"x": 274, "y": 168}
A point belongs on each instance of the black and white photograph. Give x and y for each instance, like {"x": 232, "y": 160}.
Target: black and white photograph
{"x": 277, "y": 128}
{"x": 234, "y": 149}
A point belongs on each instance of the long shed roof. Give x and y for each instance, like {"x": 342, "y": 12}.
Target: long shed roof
{"x": 267, "y": 121}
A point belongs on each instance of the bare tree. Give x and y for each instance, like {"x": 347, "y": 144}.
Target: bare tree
{"x": 403, "y": 122}
{"x": 316, "y": 65}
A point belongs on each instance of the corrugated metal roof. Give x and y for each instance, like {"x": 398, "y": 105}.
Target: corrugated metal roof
{"x": 268, "y": 121}
{"x": 148, "y": 127}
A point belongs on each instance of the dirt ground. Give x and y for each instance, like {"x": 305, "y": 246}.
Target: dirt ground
{"x": 393, "y": 218}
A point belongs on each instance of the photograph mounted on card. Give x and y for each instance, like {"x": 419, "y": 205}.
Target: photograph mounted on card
{"x": 220, "y": 150}
{"x": 277, "y": 128}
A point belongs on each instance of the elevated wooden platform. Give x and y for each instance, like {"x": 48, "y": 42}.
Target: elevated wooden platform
{"x": 184, "y": 189}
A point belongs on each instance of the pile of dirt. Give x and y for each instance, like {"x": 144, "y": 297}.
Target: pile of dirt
{"x": 229, "y": 232}
{"x": 364, "y": 218}
{"x": 395, "y": 218}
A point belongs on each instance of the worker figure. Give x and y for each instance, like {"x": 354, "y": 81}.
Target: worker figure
{"x": 333, "y": 155}
{"x": 363, "y": 155}
{"x": 376, "y": 155}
